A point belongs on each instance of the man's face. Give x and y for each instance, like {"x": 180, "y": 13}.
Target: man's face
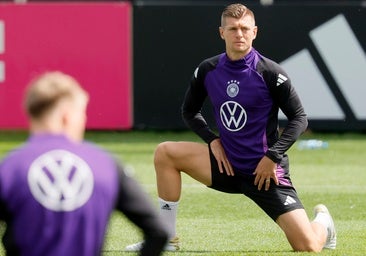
{"x": 238, "y": 35}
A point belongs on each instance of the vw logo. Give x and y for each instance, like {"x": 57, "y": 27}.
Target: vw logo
{"x": 233, "y": 116}
{"x": 60, "y": 180}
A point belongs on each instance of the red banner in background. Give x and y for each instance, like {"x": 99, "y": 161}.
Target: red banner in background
{"x": 91, "y": 42}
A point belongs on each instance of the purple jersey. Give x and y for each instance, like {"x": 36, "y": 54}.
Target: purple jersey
{"x": 57, "y": 196}
{"x": 241, "y": 102}
{"x": 246, "y": 96}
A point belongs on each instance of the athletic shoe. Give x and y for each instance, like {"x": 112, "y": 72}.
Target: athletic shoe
{"x": 332, "y": 236}
{"x": 172, "y": 246}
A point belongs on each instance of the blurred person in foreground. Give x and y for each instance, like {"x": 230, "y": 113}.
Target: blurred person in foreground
{"x": 57, "y": 192}
{"x": 248, "y": 156}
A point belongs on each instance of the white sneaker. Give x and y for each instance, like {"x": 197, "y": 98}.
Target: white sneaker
{"x": 332, "y": 236}
{"x": 172, "y": 246}
{"x": 134, "y": 247}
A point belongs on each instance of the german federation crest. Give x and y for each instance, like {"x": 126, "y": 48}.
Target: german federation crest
{"x": 233, "y": 88}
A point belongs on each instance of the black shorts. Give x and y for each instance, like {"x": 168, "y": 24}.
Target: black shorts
{"x": 276, "y": 201}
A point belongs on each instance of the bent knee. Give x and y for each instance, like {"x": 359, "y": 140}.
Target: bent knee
{"x": 164, "y": 151}
{"x": 164, "y": 148}
{"x": 307, "y": 246}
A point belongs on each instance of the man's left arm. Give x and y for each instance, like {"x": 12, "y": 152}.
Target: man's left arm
{"x": 288, "y": 101}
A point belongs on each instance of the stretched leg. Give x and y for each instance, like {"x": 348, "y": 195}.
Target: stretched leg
{"x": 304, "y": 235}
{"x": 171, "y": 158}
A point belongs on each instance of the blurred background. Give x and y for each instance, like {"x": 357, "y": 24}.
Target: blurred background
{"x": 136, "y": 58}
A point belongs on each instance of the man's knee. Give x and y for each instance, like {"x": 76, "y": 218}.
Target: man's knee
{"x": 163, "y": 151}
{"x": 299, "y": 231}
{"x": 307, "y": 246}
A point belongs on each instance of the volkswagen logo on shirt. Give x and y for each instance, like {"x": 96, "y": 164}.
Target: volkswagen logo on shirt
{"x": 60, "y": 180}
{"x": 233, "y": 116}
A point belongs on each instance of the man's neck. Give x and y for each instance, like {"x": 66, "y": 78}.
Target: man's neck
{"x": 233, "y": 56}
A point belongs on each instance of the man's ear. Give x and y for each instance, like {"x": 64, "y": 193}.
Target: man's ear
{"x": 65, "y": 114}
{"x": 221, "y": 31}
{"x": 255, "y": 31}
{"x": 64, "y": 118}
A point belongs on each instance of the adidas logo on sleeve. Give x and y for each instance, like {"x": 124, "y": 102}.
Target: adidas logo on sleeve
{"x": 281, "y": 79}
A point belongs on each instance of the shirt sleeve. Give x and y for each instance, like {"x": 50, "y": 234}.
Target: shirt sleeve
{"x": 192, "y": 107}
{"x": 286, "y": 99}
{"x": 135, "y": 204}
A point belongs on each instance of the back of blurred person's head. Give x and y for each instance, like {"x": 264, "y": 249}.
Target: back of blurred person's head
{"x": 56, "y": 103}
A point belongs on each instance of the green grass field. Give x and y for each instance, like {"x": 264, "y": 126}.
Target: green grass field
{"x": 214, "y": 223}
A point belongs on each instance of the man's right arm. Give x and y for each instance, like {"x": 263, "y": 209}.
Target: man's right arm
{"x": 192, "y": 106}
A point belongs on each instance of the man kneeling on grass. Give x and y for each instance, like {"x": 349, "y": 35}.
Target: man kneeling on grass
{"x": 248, "y": 157}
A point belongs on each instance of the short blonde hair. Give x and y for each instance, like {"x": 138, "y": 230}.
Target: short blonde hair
{"x": 236, "y": 11}
{"x": 45, "y": 91}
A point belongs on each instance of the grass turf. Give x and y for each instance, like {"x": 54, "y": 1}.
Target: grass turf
{"x": 214, "y": 223}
